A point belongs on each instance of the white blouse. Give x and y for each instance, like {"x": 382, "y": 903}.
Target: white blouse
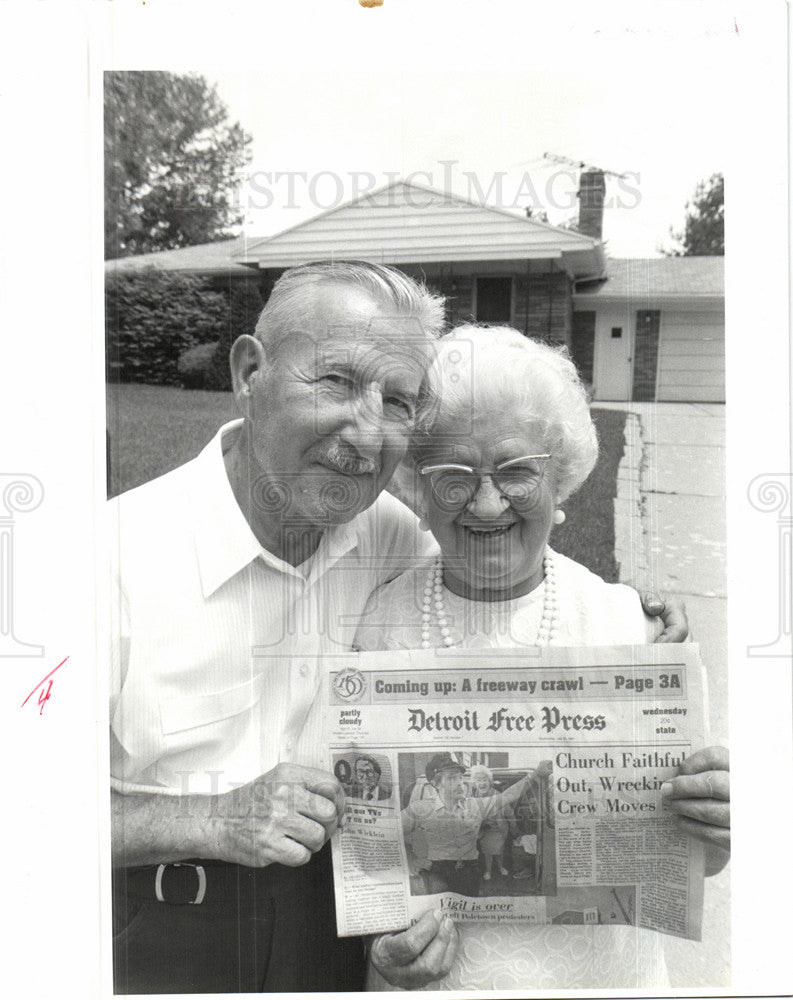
{"x": 592, "y": 612}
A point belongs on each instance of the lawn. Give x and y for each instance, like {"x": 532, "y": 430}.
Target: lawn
{"x": 587, "y": 534}
{"x": 153, "y": 429}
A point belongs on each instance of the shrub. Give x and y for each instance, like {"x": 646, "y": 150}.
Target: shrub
{"x": 245, "y": 304}
{"x": 154, "y": 316}
{"x": 193, "y": 365}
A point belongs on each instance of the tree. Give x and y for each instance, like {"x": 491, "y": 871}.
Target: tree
{"x": 172, "y": 156}
{"x": 152, "y": 316}
{"x": 703, "y": 234}
{"x": 536, "y": 214}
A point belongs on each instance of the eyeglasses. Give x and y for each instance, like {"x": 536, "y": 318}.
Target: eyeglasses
{"x": 518, "y": 480}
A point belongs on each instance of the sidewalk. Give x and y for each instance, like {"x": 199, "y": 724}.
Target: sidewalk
{"x": 670, "y": 531}
{"x": 670, "y": 525}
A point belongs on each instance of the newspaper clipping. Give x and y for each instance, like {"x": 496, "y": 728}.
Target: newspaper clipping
{"x": 515, "y": 786}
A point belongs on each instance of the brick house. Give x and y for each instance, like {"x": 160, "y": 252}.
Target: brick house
{"x": 498, "y": 266}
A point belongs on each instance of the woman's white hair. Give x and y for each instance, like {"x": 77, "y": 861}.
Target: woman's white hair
{"x": 479, "y": 370}
{"x": 291, "y": 306}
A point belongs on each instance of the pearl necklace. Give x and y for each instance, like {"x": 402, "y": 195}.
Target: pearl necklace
{"x": 433, "y": 594}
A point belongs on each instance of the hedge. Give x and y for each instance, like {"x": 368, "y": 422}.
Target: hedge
{"x": 245, "y": 304}
{"x": 152, "y": 317}
{"x": 193, "y": 365}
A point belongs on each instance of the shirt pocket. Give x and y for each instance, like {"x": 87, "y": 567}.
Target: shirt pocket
{"x": 192, "y": 711}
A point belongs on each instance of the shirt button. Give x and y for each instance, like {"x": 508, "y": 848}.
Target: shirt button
{"x": 288, "y": 743}
{"x": 304, "y": 670}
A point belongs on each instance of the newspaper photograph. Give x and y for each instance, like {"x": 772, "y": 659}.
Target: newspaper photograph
{"x": 515, "y": 786}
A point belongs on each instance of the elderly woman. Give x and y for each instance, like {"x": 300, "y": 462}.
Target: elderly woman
{"x": 510, "y": 439}
{"x": 493, "y": 835}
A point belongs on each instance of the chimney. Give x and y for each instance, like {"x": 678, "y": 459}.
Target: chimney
{"x": 592, "y": 194}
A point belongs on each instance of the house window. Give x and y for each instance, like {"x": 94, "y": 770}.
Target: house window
{"x": 494, "y": 300}
{"x": 616, "y": 331}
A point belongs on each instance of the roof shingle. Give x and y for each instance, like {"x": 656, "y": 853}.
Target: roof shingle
{"x": 223, "y": 257}
{"x": 653, "y": 277}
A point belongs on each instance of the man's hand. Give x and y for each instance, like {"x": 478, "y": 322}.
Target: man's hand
{"x": 422, "y": 954}
{"x": 672, "y": 613}
{"x": 700, "y": 797}
{"x": 283, "y": 816}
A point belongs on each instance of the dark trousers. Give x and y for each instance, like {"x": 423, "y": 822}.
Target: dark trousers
{"x": 268, "y": 930}
{"x": 453, "y": 876}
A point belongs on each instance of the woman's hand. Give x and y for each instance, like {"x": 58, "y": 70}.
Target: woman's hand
{"x": 700, "y": 796}
{"x": 422, "y": 954}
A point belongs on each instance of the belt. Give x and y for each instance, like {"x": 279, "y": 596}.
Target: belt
{"x": 186, "y": 883}
{"x": 197, "y": 881}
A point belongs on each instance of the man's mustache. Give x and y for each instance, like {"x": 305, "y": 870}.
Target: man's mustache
{"x": 346, "y": 459}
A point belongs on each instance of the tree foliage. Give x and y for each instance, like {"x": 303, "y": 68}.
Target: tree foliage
{"x": 152, "y": 317}
{"x": 172, "y": 156}
{"x": 703, "y": 233}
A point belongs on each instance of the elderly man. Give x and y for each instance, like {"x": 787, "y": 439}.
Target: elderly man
{"x": 448, "y": 823}
{"x": 232, "y": 575}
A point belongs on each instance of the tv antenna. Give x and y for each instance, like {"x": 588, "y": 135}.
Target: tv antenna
{"x": 582, "y": 165}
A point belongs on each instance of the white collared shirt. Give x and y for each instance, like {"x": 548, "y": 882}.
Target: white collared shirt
{"x": 214, "y": 660}
{"x": 450, "y": 833}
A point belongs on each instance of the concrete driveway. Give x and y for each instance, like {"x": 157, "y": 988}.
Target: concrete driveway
{"x": 670, "y": 522}
{"x": 670, "y": 527}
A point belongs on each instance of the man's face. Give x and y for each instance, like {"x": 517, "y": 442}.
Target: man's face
{"x": 332, "y": 414}
{"x": 366, "y": 775}
{"x": 450, "y": 785}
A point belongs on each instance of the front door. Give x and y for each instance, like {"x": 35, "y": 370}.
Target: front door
{"x": 613, "y": 361}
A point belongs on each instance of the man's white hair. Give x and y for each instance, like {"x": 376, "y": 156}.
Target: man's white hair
{"x": 480, "y": 370}
{"x": 290, "y": 308}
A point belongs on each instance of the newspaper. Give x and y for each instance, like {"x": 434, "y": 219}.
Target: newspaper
{"x": 569, "y": 824}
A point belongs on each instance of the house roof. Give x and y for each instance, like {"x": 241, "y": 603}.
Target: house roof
{"x": 658, "y": 278}
{"x": 225, "y": 257}
{"x": 405, "y": 223}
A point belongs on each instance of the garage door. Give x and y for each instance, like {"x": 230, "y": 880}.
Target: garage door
{"x": 691, "y": 357}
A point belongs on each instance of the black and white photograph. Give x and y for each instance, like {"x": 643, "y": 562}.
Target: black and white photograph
{"x": 364, "y": 777}
{"x": 473, "y": 402}
{"x": 594, "y": 905}
{"x": 364, "y": 326}
{"x": 475, "y": 829}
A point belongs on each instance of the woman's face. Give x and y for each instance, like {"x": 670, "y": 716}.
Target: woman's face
{"x": 481, "y": 784}
{"x": 492, "y": 546}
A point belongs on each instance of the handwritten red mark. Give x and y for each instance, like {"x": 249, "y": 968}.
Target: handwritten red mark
{"x": 44, "y": 695}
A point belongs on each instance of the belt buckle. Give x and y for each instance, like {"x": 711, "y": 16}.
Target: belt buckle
{"x": 202, "y": 881}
